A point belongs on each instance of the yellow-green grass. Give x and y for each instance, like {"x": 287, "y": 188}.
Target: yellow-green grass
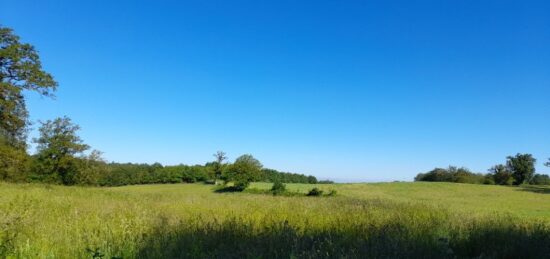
{"x": 523, "y": 201}
{"x": 191, "y": 220}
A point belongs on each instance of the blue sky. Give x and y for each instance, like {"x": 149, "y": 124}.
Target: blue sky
{"x": 366, "y": 90}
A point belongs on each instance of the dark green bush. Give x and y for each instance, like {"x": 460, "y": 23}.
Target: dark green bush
{"x": 315, "y": 192}
{"x": 278, "y": 188}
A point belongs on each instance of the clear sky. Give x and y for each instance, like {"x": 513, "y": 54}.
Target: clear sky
{"x": 366, "y": 90}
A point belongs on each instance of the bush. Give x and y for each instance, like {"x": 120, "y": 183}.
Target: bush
{"x": 315, "y": 192}
{"x": 332, "y": 193}
{"x": 278, "y": 188}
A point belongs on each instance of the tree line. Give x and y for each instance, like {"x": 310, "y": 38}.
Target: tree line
{"x": 518, "y": 169}
{"x": 61, "y": 155}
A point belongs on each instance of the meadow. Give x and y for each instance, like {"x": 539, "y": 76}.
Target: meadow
{"x": 380, "y": 220}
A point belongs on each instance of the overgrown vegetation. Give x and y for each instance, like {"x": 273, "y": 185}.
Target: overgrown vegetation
{"x": 189, "y": 221}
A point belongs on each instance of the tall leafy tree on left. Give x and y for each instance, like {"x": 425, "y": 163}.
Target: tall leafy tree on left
{"x": 20, "y": 71}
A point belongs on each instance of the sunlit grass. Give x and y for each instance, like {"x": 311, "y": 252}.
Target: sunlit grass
{"x": 42, "y": 221}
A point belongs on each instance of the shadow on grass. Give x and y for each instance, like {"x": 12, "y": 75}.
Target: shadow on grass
{"x": 535, "y": 189}
{"x": 239, "y": 238}
{"x": 228, "y": 189}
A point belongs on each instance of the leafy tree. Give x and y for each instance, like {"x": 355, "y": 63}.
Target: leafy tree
{"x": 13, "y": 162}
{"x": 92, "y": 168}
{"x": 451, "y": 174}
{"x": 311, "y": 179}
{"x": 501, "y": 175}
{"x": 245, "y": 170}
{"x": 20, "y": 69}
{"x": 522, "y": 167}
{"x": 547, "y": 163}
{"x": 58, "y": 146}
{"x": 219, "y": 164}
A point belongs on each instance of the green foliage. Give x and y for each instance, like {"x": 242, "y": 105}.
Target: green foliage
{"x": 278, "y": 188}
{"x": 271, "y": 175}
{"x": 522, "y": 167}
{"x": 519, "y": 169}
{"x": 501, "y": 175}
{"x": 14, "y": 162}
{"x": 245, "y": 170}
{"x": 451, "y": 174}
{"x": 20, "y": 69}
{"x": 58, "y": 146}
{"x": 315, "y": 192}
{"x": 218, "y": 165}
{"x": 547, "y": 163}
{"x": 540, "y": 179}
{"x": 91, "y": 169}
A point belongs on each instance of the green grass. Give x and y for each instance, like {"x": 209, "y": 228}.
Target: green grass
{"x": 429, "y": 220}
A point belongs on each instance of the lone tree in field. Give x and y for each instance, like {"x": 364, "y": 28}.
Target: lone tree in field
{"x": 58, "y": 146}
{"x": 245, "y": 170}
{"x": 522, "y": 167}
{"x": 20, "y": 69}
{"x": 219, "y": 165}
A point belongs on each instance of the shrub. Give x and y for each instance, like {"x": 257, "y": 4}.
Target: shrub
{"x": 332, "y": 193}
{"x": 315, "y": 192}
{"x": 278, "y": 188}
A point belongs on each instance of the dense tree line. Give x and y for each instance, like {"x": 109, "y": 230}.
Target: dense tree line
{"x": 63, "y": 158}
{"x": 117, "y": 174}
{"x": 518, "y": 169}
{"x": 270, "y": 175}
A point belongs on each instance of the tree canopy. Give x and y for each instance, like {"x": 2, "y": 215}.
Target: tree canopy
{"x": 522, "y": 167}
{"x": 58, "y": 145}
{"x": 20, "y": 69}
{"x": 243, "y": 171}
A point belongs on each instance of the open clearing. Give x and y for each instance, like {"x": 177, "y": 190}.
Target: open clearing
{"x": 190, "y": 220}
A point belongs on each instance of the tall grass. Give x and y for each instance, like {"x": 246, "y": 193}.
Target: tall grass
{"x": 191, "y": 221}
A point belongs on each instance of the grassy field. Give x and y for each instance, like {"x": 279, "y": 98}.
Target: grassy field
{"x": 405, "y": 220}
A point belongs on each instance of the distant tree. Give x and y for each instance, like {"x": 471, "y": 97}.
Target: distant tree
{"x": 501, "y": 175}
{"x": 540, "y": 179}
{"x": 452, "y": 174}
{"x": 20, "y": 69}
{"x": 58, "y": 146}
{"x": 219, "y": 165}
{"x": 547, "y": 163}
{"x": 522, "y": 167}
{"x": 435, "y": 175}
{"x": 311, "y": 179}
{"x": 243, "y": 171}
